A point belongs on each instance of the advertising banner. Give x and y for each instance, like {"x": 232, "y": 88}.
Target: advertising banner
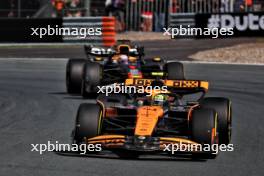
{"x": 23, "y": 30}
{"x": 243, "y": 24}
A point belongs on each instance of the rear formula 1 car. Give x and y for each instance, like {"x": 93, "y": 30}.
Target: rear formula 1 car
{"x": 140, "y": 124}
{"x": 114, "y": 65}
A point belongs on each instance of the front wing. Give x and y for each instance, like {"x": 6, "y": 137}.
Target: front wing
{"x": 143, "y": 144}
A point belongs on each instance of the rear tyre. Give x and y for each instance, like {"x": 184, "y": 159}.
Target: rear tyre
{"x": 174, "y": 70}
{"x": 74, "y": 72}
{"x": 88, "y": 122}
{"x": 93, "y": 74}
{"x": 204, "y": 130}
{"x": 223, "y": 108}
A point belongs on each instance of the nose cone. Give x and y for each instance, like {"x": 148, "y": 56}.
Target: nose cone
{"x": 147, "y": 118}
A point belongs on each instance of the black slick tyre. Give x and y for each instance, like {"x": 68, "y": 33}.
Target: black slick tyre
{"x": 88, "y": 122}
{"x": 174, "y": 70}
{"x": 223, "y": 108}
{"x": 74, "y": 74}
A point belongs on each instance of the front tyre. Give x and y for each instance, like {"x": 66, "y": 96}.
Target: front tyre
{"x": 204, "y": 130}
{"x": 88, "y": 122}
{"x": 223, "y": 108}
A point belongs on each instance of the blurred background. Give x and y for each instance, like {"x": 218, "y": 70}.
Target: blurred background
{"x": 138, "y": 15}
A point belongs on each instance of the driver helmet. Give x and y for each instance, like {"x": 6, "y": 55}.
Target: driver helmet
{"x": 124, "y": 59}
{"x": 160, "y": 100}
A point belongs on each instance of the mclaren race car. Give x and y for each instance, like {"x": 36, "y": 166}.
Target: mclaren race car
{"x": 115, "y": 65}
{"x": 141, "y": 124}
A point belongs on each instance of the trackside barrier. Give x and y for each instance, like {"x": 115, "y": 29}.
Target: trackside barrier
{"x": 184, "y": 20}
{"x": 243, "y": 24}
{"x": 19, "y": 30}
{"x": 105, "y": 24}
{"x": 59, "y": 30}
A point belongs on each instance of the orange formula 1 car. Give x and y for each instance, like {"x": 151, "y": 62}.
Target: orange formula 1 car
{"x": 141, "y": 124}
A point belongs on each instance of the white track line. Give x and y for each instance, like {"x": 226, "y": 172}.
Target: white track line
{"x": 219, "y": 63}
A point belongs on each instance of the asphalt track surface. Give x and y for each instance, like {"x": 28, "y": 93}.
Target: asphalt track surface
{"x": 34, "y": 108}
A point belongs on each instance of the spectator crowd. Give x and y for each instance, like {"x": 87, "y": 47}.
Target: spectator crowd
{"x": 68, "y": 8}
{"x": 10, "y": 8}
{"x": 117, "y": 9}
{"x": 144, "y": 15}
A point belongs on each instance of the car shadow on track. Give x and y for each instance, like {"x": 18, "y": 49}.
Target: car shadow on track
{"x": 141, "y": 158}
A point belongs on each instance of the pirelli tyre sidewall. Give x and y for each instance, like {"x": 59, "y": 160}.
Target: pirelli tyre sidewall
{"x": 204, "y": 130}
{"x": 92, "y": 76}
{"x": 204, "y": 121}
{"x": 74, "y": 74}
{"x": 223, "y": 107}
{"x": 88, "y": 122}
{"x": 174, "y": 71}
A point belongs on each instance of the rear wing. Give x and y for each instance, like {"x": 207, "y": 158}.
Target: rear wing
{"x": 177, "y": 86}
{"x": 109, "y": 52}
{"x": 99, "y": 52}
